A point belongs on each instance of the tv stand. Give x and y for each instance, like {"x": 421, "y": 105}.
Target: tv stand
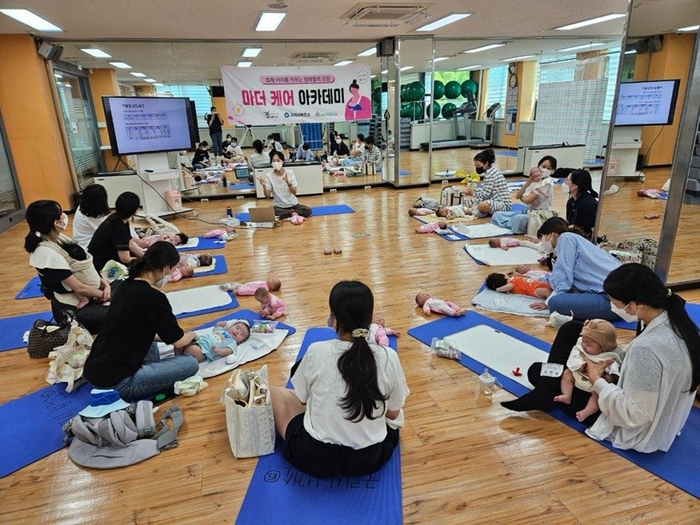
{"x": 156, "y": 178}
{"x": 626, "y": 142}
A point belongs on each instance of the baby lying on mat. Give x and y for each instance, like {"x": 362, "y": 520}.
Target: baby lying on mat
{"x": 504, "y": 243}
{"x": 518, "y": 284}
{"x": 271, "y": 285}
{"x": 430, "y": 304}
{"x": 221, "y": 342}
{"x": 379, "y": 332}
{"x": 187, "y": 264}
{"x": 439, "y": 227}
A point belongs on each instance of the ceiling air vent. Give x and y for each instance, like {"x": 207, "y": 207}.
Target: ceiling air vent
{"x": 313, "y": 57}
{"x": 386, "y": 15}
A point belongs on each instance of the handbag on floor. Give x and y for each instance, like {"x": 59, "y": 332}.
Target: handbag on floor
{"x": 535, "y": 219}
{"x": 249, "y": 419}
{"x": 44, "y": 336}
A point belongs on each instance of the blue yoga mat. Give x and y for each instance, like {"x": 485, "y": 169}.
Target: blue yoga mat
{"x": 219, "y": 268}
{"x": 241, "y": 186}
{"x": 248, "y": 315}
{"x": 204, "y": 245}
{"x": 506, "y": 153}
{"x": 31, "y": 289}
{"x": 677, "y": 466}
{"x": 317, "y": 211}
{"x": 30, "y": 427}
{"x": 229, "y": 306}
{"x": 403, "y": 173}
{"x": 12, "y": 329}
{"x": 279, "y": 493}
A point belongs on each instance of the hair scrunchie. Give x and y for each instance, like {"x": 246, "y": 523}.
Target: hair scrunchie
{"x": 669, "y": 292}
{"x": 360, "y": 332}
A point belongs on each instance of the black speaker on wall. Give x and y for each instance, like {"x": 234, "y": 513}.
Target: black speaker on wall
{"x": 217, "y": 91}
{"x": 386, "y": 47}
{"x": 50, "y": 51}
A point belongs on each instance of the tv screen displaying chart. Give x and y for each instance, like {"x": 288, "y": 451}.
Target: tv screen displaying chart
{"x": 650, "y": 103}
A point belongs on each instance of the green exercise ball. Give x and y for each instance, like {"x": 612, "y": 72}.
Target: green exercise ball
{"x": 435, "y": 109}
{"x": 377, "y": 94}
{"x": 406, "y": 110}
{"x": 469, "y": 85}
{"x": 417, "y": 111}
{"x": 452, "y": 90}
{"x": 438, "y": 90}
{"x": 448, "y": 109}
{"x": 404, "y": 93}
{"x": 415, "y": 91}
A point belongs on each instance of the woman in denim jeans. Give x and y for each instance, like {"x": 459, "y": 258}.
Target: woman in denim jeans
{"x": 125, "y": 356}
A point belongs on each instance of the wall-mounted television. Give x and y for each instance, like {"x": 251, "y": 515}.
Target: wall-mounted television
{"x": 149, "y": 124}
{"x": 647, "y": 103}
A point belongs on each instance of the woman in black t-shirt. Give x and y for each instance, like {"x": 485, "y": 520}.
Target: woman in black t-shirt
{"x": 124, "y": 355}
{"x": 582, "y": 206}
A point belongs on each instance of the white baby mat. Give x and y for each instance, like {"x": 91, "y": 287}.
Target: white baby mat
{"x": 196, "y": 299}
{"x": 508, "y": 303}
{"x": 192, "y": 242}
{"x": 498, "y": 257}
{"x": 481, "y": 231}
{"x": 498, "y": 351}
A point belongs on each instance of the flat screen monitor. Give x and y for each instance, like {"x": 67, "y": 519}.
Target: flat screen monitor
{"x": 148, "y": 124}
{"x": 648, "y": 103}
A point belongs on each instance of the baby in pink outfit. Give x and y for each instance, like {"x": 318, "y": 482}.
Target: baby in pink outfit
{"x": 504, "y": 243}
{"x": 271, "y": 307}
{"x": 271, "y": 285}
{"x": 439, "y": 306}
{"x": 379, "y": 332}
{"x": 433, "y": 227}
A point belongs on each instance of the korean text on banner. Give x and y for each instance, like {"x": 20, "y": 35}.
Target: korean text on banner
{"x": 287, "y": 95}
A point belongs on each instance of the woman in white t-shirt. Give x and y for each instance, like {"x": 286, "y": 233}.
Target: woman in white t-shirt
{"x": 281, "y": 185}
{"x": 92, "y": 211}
{"x": 343, "y": 413}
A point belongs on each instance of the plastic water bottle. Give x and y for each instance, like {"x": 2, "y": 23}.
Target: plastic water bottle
{"x": 486, "y": 383}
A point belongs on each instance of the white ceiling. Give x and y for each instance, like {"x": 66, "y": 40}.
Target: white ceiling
{"x": 178, "y": 41}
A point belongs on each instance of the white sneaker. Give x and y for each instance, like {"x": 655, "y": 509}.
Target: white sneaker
{"x": 612, "y": 190}
{"x": 556, "y": 319}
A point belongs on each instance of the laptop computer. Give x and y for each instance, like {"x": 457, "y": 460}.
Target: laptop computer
{"x": 262, "y": 217}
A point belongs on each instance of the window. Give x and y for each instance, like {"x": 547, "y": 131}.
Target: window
{"x": 199, "y": 94}
{"x": 613, "y": 66}
{"x": 496, "y": 90}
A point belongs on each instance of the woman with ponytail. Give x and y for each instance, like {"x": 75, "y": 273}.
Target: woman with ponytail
{"x": 582, "y": 206}
{"x": 343, "y": 413}
{"x": 124, "y": 356}
{"x": 650, "y": 404}
{"x": 64, "y": 267}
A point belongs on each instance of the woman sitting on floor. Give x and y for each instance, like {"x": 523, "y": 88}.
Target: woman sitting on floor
{"x": 577, "y": 275}
{"x": 342, "y": 415}
{"x": 56, "y": 259}
{"x": 536, "y": 193}
{"x": 493, "y": 196}
{"x": 651, "y": 402}
{"x": 93, "y": 209}
{"x": 582, "y": 206}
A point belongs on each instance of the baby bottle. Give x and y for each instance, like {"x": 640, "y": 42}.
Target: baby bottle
{"x": 486, "y": 383}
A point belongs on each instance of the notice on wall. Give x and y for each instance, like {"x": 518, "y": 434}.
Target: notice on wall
{"x": 287, "y": 95}
{"x": 511, "y": 110}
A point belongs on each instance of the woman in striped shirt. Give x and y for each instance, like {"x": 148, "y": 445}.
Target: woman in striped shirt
{"x": 493, "y": 196}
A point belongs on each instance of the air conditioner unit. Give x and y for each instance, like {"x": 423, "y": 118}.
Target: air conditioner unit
{"x": 385, "y": 15}
{"x": 313, "y": 57}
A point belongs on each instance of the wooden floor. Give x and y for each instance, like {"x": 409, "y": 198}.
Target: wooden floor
{"x": 465, "y": 459}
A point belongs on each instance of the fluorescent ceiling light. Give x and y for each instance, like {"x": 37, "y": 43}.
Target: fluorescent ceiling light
{"x": 97, "y": 53}
{"x": 385, "y": 72}
{"x": 440, "y": 59}
{"x": 244, "y": 63}
{"x": 598, "y": 20}
{"x": 151, "y": 80}
{"x": 269, "y": 21}
{"x": 372, "y": 76}
{"x": 583, "y": 46}
{"x": 30, "y": 19}
{"x": 516, "y": 59}
{"x": 140, "y": 75}
{"x": 483, "y": 48}
{"x": 469, "y": 68}
{"x": 442, "y": 22}
{"x": 159, "y": 84}
{"x": 343, "y": 63}
{"x": 57, "y": 75}
{"x": 251, "y": 52}
{"x": 631, "y": 52}
{"x": 689, "y": 28}
{"x": 406, "y": 68}
{"x": 368, "y": 52}
{"x": 121, "y": 65}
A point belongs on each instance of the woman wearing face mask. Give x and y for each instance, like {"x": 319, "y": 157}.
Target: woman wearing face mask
{"x": 649, "y": 405}
{"x": 578, "y": 274}
{"x": 582, "y": 206}
{"x": 536, "y": 193}
{"x": 493, "y": 196}
{"x": 124, "y": 355}
{"x": 65, "y": 269}
{"x": 281, "y": 185}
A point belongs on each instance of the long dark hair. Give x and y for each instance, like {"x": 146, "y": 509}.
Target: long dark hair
{"x": 40, "y": 217}
{"x": 93, "y": 201}
{"x": 638, "y": 283}
{"x": 559, "y": 225}
{"x": 257, "y": 145}
{"x": 160, "y": 255}
{"x": 352, "y": 304}
{"x": 582, "y": 179}
{"x": 486, "y": 157}
{"x": 552, "y": 162}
